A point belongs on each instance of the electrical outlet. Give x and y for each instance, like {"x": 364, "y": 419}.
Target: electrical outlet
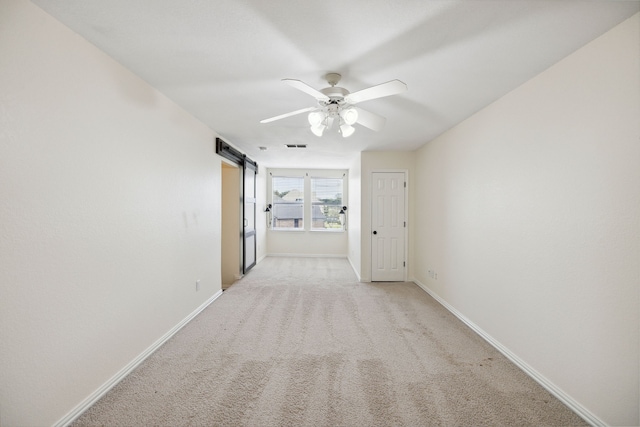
{"x": 197, "y": 285}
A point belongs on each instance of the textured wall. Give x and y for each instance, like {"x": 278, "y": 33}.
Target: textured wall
{"x": 528, "y": 214}
{"x": 109, "y": 213}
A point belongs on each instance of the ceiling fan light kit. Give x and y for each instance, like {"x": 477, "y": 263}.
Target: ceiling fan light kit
{"x": 318, "y": 130}
{"x": 346, "y": 130}
{"x": 315, "y": 118}
{"x": 349, "y": 115}
{"x": 335, "y": 102}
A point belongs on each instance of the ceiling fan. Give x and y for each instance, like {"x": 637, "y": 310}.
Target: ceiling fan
{"x": 337, "y": 103}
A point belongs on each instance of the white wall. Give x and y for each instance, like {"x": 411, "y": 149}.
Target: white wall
{"x": 109, "y": 213}
{"x": 381, "y": 161}
{"x": 261, "y": 216}
{"x": 354, "y": 217}
{"x": 306, "y": 242}
{"x": 528, "y": 213}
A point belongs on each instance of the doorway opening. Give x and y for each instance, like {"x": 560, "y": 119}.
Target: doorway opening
{"x": 231, "y": 232}
{"x": 239, "y": 177}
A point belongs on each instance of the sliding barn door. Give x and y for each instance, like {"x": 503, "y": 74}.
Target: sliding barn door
{"x": 249, "y": 216}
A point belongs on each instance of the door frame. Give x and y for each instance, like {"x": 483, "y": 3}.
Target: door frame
{"x": 406, "y": 218}
{"x": 228, "y": 152}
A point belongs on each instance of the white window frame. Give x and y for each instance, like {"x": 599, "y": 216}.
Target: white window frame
{"x": 274, "y": 204}
{"x": 307, "y": 175}
{"x": 338, "y": 206}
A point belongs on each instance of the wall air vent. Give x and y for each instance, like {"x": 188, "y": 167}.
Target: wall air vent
{"x": 296, "y": 145}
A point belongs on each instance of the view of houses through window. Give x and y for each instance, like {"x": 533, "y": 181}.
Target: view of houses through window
{"x": 326, "y": 201}
{"x": 288, "y": 200}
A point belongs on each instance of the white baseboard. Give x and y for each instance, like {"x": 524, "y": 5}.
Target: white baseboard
{"x": 96, "y": 395}
{"x": 354, "y": 269}
{"x": 308, "y": 255}
{"x": 535, "y": 375}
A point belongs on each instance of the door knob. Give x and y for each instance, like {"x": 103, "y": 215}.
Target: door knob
{"x": 375, "y": 232}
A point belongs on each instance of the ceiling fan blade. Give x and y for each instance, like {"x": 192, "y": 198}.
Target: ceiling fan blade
{"x": 393, "y": 87}
{"x": 306, "y": 89}
{"x": 293, "y": 113}
{"x": 370, "y": 120}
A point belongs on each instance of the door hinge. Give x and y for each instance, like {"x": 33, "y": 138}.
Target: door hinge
{"x": 404, "y": 264}
{"x": 405, "y": 224}
{"x": 405, "y": 184}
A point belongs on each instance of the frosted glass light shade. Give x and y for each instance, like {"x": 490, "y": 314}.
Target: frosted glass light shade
{"x": 317, "y": 130}
{"x": 349, "y": 115}
{"x": 347, "y": 130}
{"x": 315, "y": 118}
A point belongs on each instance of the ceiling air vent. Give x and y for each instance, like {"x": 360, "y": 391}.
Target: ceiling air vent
{"x": 296, "y": 145}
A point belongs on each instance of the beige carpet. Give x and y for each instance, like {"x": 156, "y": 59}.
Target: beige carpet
{"x": 299, "y": 342}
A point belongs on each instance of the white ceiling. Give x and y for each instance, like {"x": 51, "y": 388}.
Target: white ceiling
{"x": 223, "y": 60}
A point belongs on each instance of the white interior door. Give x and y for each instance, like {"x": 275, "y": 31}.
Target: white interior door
{"x": 388, "y": 227}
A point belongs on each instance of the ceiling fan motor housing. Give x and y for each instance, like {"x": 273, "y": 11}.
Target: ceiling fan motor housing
{"x": 335, "y": 94}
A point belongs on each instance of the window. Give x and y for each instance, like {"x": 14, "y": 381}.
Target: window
{"x": 326, "y": 202}
{"x": 307, "y": 200}
{"x": 288, "y": 203}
